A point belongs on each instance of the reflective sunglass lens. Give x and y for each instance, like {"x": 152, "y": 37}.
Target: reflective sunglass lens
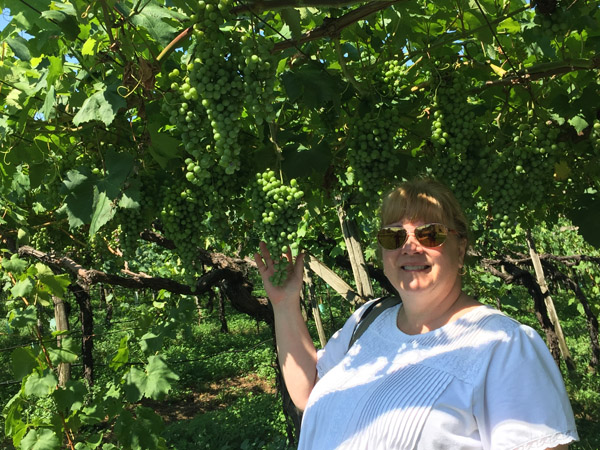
{"x": 391, "y": 239}
{"x": 431, "y": 235}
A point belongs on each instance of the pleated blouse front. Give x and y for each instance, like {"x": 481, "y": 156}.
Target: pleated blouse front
{"x": 391, "y": 390}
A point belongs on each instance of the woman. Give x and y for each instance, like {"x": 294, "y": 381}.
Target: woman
{"x": 439, "y": 370}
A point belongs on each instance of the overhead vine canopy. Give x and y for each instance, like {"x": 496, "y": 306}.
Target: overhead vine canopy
{"x": 120, "y": 116}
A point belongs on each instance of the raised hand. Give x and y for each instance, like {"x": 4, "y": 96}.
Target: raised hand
{"x": 289, "y": 290}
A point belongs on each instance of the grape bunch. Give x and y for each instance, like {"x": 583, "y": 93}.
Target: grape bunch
{"x": 41, "y": 240}
{"x": 180, "y": 217}
{"x": 225, "y": 85}
{"x": 457, "y": 141}
{"x": 129, "y": 231}
{"x": 555, "y": 21}
{"x": 457, "y": 171}
{"x": 135, "y": 217}
{"x": 519, "y": 175}
{"x": 392, "y": 80}
{"x": 278, "y": 211}
{"x": 259, "y": 74}
{"x": 228, "y": 81}
{"x": 595, "y": 137}
{"x": 221, "y": 194}
{"x": 374, "y": 147}
{"x": 454, "y": 128}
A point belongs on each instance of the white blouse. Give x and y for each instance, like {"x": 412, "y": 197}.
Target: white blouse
{"x": 483, "y": 381}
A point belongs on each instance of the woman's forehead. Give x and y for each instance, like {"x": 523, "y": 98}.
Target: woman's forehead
{"x": 429, "y": 216}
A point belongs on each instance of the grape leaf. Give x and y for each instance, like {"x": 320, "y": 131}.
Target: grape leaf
{"x": 15, "y": 264}
{"x": 102, "y": 106}
{"x": 56, "y": 284}
{"x": 22, "y": 318}
{"x": 40, "y": 439}
{"x": 61, "y": 355}
{"x": 155, "y": 19}
{"x": 65, "y": 18}
{"x": 311, "y": 85}
{"x": 140, "y": 432}
{"x": 150, "y": 343}
{"x": 135, "y": 384}
{"x": 40, "y": 386}
{"x": 579, "y": 123}
{"x": 163, "y": 147}
{"x": 23, "y": 360}
{"x": 152, "y": 383}
{"x": 159, "y": 378}
{"x": 89, "y": 47}
{"x": 586, "y": 214}
{"x": 118, "y": 167}
{"x": 104, "y": 211}
{"x": 122, "y": 356}
{"x": 71, "y": 396}
{"x": 79, "y": 201}
{"x": 19, "y": 46}
{"x": 22, "y": 288}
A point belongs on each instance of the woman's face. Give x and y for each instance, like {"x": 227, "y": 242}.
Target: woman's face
{"x": 414, "y": 269}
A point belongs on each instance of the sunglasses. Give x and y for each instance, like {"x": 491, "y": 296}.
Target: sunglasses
{"x": 429, "y": 235}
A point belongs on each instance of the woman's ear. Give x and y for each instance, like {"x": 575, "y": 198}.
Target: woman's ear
{"x": 462, "y": 251}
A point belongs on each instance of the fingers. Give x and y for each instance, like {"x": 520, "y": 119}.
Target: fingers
{"x": 263, "y": 259}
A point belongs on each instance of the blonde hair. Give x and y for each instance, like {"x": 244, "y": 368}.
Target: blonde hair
{"x": 426, "y": 200}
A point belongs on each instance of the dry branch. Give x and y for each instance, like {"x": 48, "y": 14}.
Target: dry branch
{"x": 228, "y": 272}
{"x": 333, "y": 27}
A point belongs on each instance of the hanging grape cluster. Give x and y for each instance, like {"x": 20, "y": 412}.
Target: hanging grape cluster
{"x": 228, "y": 81}
{"x": 258, "y": 70}
{"x": 226, "y": 86}
{"x": 130, "y": 226}
{"x": 180, "y": 218}
{"x": 519, "y": 175}
{"x": 132, "y": 218}
{"x": 454, "y": 128}
{"x": 41, "y": 240}
{"x": 595, "y": 137}
{"x": 392, "y": 79}
{"x": 554, "y": 22}
{"x": 278, "y": 212}
{"x": 374, "y": 149}
{"x": 457, "y": 141}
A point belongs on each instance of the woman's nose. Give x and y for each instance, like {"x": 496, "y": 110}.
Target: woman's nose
{"x": 412, "y": 245}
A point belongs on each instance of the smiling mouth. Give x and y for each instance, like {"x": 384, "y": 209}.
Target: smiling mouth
{"x": 415, "y": 268}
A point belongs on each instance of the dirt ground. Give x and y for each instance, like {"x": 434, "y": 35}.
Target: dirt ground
{"x": 213, "y": 396}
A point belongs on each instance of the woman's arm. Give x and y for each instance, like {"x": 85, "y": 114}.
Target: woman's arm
{"x": 295, "y": 349}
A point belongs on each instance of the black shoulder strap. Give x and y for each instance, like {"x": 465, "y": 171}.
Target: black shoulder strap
{"x": 370, "y": 314}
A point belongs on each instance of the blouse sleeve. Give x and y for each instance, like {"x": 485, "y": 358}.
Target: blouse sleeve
{"x": 525, "y": 404}
{"x": 337, "y": 346}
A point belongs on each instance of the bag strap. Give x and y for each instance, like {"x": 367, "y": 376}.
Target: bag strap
{"x": 369, "y": 315}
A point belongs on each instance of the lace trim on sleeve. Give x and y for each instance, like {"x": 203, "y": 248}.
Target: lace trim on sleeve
{"x": 550, "y": 441}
